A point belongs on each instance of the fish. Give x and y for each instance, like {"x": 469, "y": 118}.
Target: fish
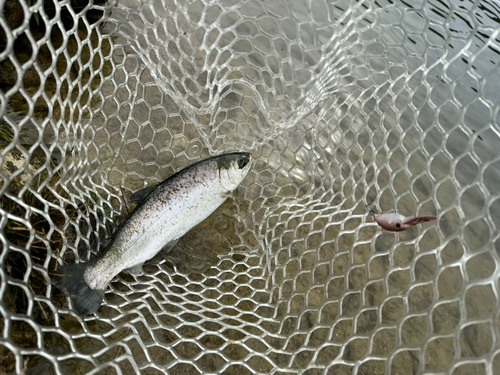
{"x": 395, "y": 222}
{"x": 165, "y": 212}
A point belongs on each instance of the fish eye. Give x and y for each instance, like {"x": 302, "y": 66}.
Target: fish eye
{"x": 243, "y": 161}
{"x": 398, "y": 225}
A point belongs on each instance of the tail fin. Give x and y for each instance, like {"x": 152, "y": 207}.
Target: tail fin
{"x": 69, "y": 278}
{"x": 418, "y": 220}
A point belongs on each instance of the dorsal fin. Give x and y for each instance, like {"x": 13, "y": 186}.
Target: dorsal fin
{"x": 139, "y": 195}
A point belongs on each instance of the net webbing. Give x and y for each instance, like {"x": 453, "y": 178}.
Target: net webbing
{"x": 341, "y": 103}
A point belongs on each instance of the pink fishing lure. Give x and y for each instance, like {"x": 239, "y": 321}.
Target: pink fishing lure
{"x": 396, "y": 223}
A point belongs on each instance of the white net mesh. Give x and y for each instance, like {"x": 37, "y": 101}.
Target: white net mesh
{"x": 341, "y": 103}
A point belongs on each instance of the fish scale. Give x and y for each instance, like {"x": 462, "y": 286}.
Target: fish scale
{"x": 154, "y": 225}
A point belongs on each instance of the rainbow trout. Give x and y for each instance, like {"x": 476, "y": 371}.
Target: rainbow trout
{"x": 165, "y": 213}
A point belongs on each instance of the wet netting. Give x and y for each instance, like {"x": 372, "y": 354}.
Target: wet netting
{"x": 341, "y": 103}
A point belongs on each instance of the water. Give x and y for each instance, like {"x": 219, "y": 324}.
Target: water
{"x": 291, "y": 272}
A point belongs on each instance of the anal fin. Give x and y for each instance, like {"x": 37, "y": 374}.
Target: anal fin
{"x": 134, "y": 270}
{"x": 137, "y": 269}
{"x": 169, "y": 246}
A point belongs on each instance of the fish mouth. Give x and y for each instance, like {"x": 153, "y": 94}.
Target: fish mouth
{"x": 234, "y": 167}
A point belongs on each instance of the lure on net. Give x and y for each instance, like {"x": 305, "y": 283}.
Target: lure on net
{"x": 395, "y": 222}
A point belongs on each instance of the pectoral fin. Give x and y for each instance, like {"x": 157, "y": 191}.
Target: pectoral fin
{"x": 139, "y": 195}
{"x": 135, "y": 270}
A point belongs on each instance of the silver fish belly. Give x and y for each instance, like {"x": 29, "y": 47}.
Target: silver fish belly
{"x": 173, "y": 207}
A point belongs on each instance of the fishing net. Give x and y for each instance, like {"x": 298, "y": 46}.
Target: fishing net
{"x": 341, "y": 103}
